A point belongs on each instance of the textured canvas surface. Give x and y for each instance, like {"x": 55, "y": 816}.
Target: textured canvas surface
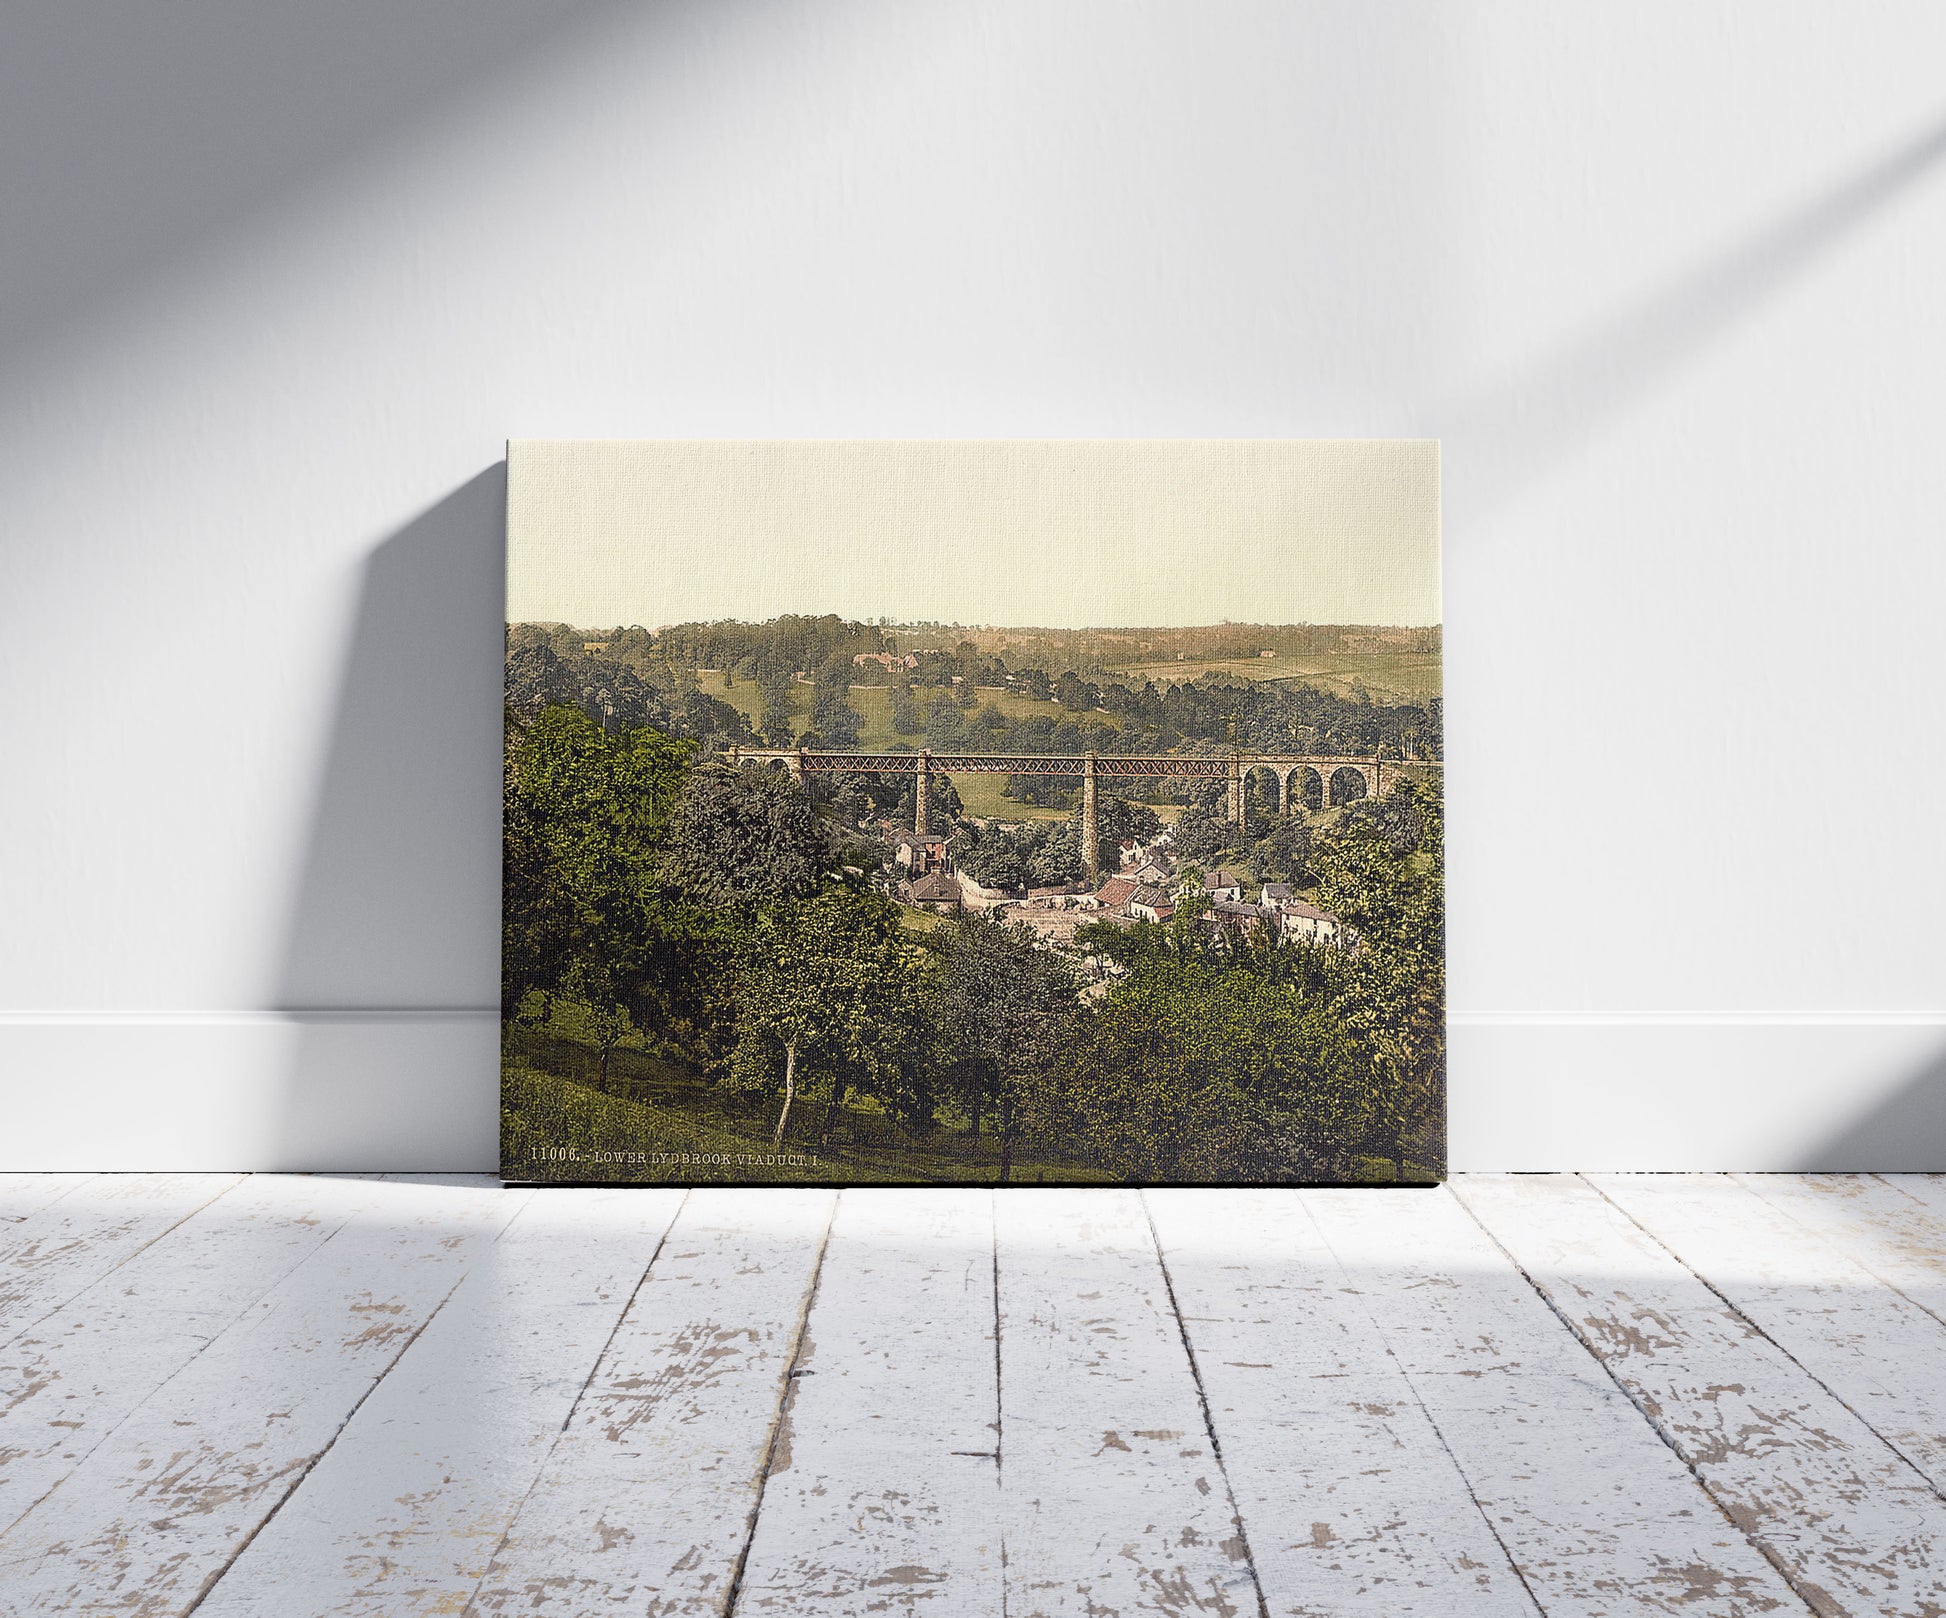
{"x": 1001, "y": 813}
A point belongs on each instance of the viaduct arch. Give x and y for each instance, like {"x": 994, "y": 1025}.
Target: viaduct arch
{"x": 1378, "y": 774}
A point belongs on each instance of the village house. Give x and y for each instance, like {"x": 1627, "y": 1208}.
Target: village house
{"x": 885, "y": 660}
{"x": 1229, "y": 915}
{"x": 1155, "y": 868}
{"x": 917, "y": 853}
{"x": 1299, "y": 919}
{"x": 1114, "y": 894}
{"x": 1277, "y": 893}
{"x": 1150, "y": 903}
{"x": 938, "y": 892}
{"x": 1223, "y": 886}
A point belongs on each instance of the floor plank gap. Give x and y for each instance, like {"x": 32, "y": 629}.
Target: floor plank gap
{"x": 1202, "y": 1402}
{"x": 780, "y": 1423}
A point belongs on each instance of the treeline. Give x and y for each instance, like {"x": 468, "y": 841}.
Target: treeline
{"x": 1217, "y": 709}
{"x": 939, "y": 702}
{"x": 792, "y": 644}
{"x": 727, "y": 923}
{"x": 617, "y": 696}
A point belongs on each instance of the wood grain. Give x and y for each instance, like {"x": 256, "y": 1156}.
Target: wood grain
{"x": 1350, "y": 1499}
{"x": 404, "y": 1513}
{"x": 1578, "y": 1398}
{"x": 1837, "y": 1509}
{"x": 1875, "y": 1350}
{"x": 883, "y": 1492}
{"x": 647, "y": 1501}
{"x": 1598, "y": 1515}
{"x": 22, "y": 1194}
{"x": 162, "y": 1506}
{"x": 64, "y": 1246}
{"x": 1894, "y": 1225}
{"x": 1114, "y": 1498}
{"x": 73, "y": 1377}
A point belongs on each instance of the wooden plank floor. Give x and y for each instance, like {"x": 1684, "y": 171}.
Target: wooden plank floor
{"x": 1527, "y": 1395}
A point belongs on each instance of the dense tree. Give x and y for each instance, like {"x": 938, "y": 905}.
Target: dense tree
{"x": 1202, "y": 832}
{"x": 834, "y": 719}
{"x": 1006, "y": 1009}
{"x": 1202, "y": 1070}
{"x": 727, "y": 919}
{"x": 1119, "y": 819}
{"x": 1281, "y": 851}
{"x": 1383, "y": 874}
{"x": 747, "y": 838}
{"x": 585, "y": 895}
{"x": 615, "y": 695}
{"x": 823, "y": 979}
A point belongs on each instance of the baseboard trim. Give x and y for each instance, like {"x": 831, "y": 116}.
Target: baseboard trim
{"x": 406, "y": 1088}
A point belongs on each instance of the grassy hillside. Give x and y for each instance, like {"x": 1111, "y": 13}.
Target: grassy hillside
{"x": 550, "y": 1102}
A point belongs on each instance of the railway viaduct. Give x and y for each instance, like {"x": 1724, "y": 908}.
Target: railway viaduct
{"x": 1377, "y": 775}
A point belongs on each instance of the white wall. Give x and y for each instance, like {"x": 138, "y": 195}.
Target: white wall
{"x": 279, "y": 281}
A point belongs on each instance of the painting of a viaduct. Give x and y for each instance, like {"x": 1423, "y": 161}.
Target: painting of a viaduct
{"x": 980, "y": 813}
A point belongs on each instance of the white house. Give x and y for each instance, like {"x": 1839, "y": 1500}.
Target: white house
{"x": 1224, "y": 885}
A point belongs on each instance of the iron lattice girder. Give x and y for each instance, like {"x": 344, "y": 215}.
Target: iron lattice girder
{"x": 1117, "y": 764}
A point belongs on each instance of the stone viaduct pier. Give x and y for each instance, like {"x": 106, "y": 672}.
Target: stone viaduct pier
{"x": 1377, "y": 775}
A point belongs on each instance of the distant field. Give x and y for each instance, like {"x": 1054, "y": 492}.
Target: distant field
{"x": 1388, "y": 676}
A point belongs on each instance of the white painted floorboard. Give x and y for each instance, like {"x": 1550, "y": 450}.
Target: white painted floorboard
{"x": 1719, "y": 1395}
{"x": 1353, "y": 1503}
{"x": 884, "y": 1487}
{"x": 1845, "y": 1516}
{"x": 404, "y": 1513}
{"x": 1113, "y": 1498}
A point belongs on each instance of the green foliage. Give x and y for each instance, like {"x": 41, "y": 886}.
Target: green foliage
{"x": 1198, "y": 1070}
{"x": 584, "y": 808}
{"x": 746, "y": 838}
{"x": 1383, "y": 873}
{"x": 1202, "y": 832}
{"x": 1118, "y": 818}
{"x": 698, "y": 913}
{"x": 1042, "y": 854}
{"x": 832, "y": 982}
{"x": 1006, "y": 1010}
{"x": 554, "y": 1128}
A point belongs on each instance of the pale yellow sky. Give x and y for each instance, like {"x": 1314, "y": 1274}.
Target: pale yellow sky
{"x": 1069, "y": 534}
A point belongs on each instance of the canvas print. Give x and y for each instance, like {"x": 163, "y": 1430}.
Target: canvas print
{"x": 988, "y": 813}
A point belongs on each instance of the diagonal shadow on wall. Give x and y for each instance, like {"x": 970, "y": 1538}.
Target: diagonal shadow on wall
{"x": 1515, "y": 432}
{"x": 1905, "y": 1133}
{"x": 135, "y": 146}
{"x": 391, "y": 957}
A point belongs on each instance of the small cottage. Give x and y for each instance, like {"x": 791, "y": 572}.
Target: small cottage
{"x": 938, "y": 893}
{"x": 1223, "y": 885}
